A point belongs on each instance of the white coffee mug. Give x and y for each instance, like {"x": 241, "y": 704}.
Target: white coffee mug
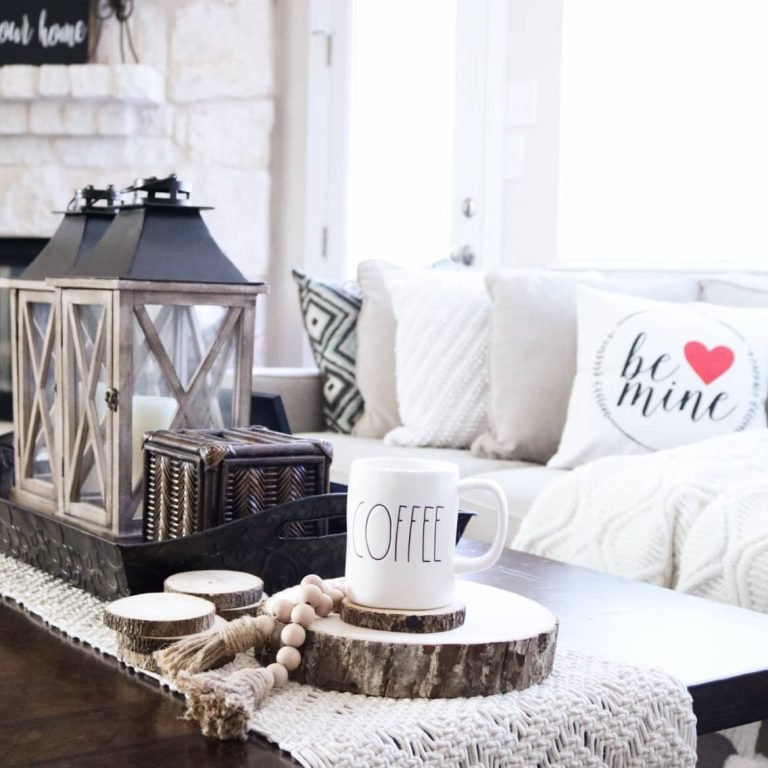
{"x": 401, "y": 532}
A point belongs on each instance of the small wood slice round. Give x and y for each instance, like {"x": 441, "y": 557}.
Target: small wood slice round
{"x": 152, "y": 644}
{"x": 159, "y": 614}
{"x": 246, "y": 610}
{"x": 134, "y": 659}
{"x": 225, "y": 589}
{"x": 507, "y": 642}
{"x": 436, "y": 620}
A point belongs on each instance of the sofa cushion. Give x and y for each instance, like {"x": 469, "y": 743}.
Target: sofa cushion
{"x": 375, "y": 368}
{"x": 654, "y": 375}
{"x": 521, "y": 483}
{"x": 533, "y": 352}
{"x": 441, "y": 356}
{"x": 330, "y": 311}
{"x": 346, "y": 448}
{"x": 737, "y": 290}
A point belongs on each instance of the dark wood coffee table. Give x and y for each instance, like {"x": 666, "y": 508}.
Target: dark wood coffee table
{"x": 719, "y": 651}
{"x": 62, "y": 704}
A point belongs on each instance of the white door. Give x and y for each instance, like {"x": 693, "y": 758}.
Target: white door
{"x": 406, "y": 127}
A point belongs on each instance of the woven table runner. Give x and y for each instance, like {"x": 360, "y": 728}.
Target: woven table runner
{"x": 588, "y": 712}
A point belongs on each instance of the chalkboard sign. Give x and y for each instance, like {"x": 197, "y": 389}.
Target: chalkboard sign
{"x": 43, "y": 31}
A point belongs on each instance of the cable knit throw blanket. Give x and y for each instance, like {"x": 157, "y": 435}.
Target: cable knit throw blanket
{"x": 691, "y": 518}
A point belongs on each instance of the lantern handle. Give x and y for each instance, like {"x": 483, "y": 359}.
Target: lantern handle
{"x": 86, "y": 198}
{"x": 167, "y": 191}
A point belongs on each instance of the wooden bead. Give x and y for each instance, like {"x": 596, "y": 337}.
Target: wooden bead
{"x": 303, "y": 614}
{"x": 289, "y": 657}
{"x": 313, "y": 578}
{"x": 269, "y": 677}
{"x": 279, "y": 673}
{"x": 294, "y": 635}
{"x": 266, "y": 624}
{"x": 325, "y": 607}
{"x": 282, "y": 609}
{"x": 336, "y": 595}
{"x": 311, "y": 593}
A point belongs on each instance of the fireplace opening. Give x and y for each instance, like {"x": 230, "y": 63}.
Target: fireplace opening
{"x": 15, "y": 254}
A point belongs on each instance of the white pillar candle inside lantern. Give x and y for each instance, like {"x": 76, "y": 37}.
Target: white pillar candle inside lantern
{"x": 150, "y": 412}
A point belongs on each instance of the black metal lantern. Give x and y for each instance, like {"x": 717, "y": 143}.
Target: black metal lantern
{"x": 36, "y": 341}
{"x": 157, "y": 332}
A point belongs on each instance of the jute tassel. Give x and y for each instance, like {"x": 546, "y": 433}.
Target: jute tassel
{"x": 223, "y": 705}
{"x": 207, "y": 651}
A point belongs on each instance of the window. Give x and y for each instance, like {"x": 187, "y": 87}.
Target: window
{"x": 400, "y": 132}
{"x": 664, "y": 132}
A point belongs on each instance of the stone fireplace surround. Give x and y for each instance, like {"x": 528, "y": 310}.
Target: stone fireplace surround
{"x": 200, "y": 105}
{"x": 15, "y": 254}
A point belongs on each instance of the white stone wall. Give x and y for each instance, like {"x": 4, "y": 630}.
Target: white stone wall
{"x": 200, "y": 104}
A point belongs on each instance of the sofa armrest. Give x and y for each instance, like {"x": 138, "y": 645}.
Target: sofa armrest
{"x": 301, "y": 390}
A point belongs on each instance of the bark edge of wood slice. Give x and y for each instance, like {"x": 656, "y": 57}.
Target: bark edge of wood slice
{"x": 152, "y": 644}
{"x": 227, "y": 590}
{"x": 419, "y": 622}
{"x": 506, "y": 643}
{"x": 247, "y": 610}
{"x": 159, "y": 614}
{"x": 136, "y": 659}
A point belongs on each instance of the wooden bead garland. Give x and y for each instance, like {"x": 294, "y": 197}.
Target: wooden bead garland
{"x": 313, "y": 598}
{"x": 221, "y": 704}
{"x": 282, "y": 626}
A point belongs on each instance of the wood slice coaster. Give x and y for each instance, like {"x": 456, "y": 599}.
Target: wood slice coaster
{"x": 159, "y": 614}
{"x": 152, "y": 644}
{"x": 436, "y": 620}
{"x": 507, "y": 642}
{"x": 225, "y": 589}
{"x": 246, "y": 610}
{"x": 134, "y": 659}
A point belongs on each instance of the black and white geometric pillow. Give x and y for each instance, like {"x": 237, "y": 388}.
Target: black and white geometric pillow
{"x": 330, "y": 311}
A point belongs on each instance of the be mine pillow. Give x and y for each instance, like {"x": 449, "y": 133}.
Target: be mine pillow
{"x": 654, "y": 375}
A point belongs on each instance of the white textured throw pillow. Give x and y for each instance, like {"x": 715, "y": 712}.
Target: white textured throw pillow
{"x": 654, "y": 375}
{"x": 441, "y": 357}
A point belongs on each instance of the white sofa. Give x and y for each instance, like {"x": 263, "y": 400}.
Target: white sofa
{"x": 301, "y": 391}
{"x": 523, "y": 481}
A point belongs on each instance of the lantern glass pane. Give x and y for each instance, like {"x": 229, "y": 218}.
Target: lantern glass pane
{"x": 39, "y": 407}
{"x": 183, "y": 357}
{"x": 91, "y": 389}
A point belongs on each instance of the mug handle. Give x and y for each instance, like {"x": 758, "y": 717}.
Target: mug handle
{"x": 487, "y": 559}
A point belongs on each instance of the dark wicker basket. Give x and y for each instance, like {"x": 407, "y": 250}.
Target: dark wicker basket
{"x": 199, "y": 479}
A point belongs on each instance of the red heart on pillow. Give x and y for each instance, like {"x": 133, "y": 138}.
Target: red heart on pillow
{"x": 709, "y": 364}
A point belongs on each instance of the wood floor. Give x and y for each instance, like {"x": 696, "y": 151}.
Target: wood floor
{"x": 64, "y": 706}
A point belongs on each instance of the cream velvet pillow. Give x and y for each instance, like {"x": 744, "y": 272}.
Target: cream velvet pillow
{"x": 653, "y": 375}
{"x": 737, "y": 290}
{"x": 441, "y": 357}
{"x": 533, "y": 353}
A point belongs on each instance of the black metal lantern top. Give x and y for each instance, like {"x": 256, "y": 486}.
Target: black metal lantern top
{"x": 85, "y": 221}
{"x": 159, "y": 237}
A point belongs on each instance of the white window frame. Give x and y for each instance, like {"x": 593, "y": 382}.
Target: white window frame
{"x": 327, "y": 134}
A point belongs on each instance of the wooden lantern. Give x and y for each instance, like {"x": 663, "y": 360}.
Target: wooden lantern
{"x": 35, "y": 339}
{"x": 157, "y": 333}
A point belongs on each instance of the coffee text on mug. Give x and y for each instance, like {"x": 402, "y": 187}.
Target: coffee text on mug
{"x": 410, "y": 534}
